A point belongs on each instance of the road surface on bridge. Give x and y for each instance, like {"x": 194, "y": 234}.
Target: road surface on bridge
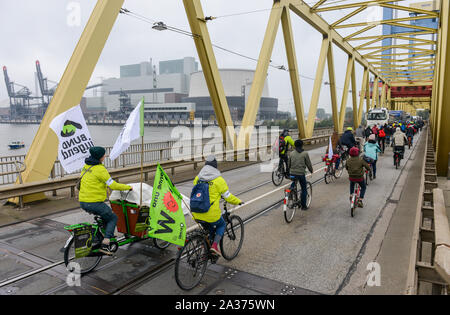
{"x": 316, "y": 253}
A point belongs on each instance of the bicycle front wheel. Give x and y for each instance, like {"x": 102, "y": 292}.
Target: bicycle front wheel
{"x": 291, "y": 206}
{"x": 232, "y": 239}
{"x": 191, "y": 262}
{"x": 277, "y": 176}
{"x": 160, "y": 244}
{"x": 87, "y": 264}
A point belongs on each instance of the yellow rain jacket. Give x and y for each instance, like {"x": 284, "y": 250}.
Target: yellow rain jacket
{"x": 289, "y": 141}
{"x": 218, "y": 188}
{"x": 94, "y": 183}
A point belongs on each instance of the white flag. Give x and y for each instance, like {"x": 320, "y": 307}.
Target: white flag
{"x": 74, "y": 139}
{"x": 132, "y": 130}
{"x": 330, "y": 150}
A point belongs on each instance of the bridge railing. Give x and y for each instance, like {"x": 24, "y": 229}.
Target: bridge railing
{"x": 153, "y": 151}
{"x": 429, "y": 268}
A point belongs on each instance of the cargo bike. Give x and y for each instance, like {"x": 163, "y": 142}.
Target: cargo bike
{"x": 83, "y": 245}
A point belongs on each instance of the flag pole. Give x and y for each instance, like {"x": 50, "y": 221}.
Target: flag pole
{"x": 142, "y": 147}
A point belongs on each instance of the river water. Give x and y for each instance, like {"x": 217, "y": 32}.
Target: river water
{"x": 102, "y": 136}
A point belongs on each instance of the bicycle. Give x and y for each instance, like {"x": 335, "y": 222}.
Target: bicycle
{"x": 369, "y": 174}
{"x": 331, "y": 172}
{"x": 292, "y": 198}
{"x": 279, "y": 173}
{"x": 354, "y": 201}
{"x": 397, "y": 158}
{"x": 83, "y": 245}
{"x": 192, "y": 259}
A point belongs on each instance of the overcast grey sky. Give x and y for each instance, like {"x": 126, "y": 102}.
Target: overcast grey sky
{"x": 38, "y": 30}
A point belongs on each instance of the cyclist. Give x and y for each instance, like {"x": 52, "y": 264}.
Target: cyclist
{"x": 283, "y": 145}
{"x": 355, "y": 167}
{"x": 388, "y": 132}
{"x": 371, "y": 150}
{"x": 410, "y": 133}
{"x": 348, "y": 139}
{"x": 360, "y": 135}
{"x": 94, "y": 181}
{"x": 399, "y": 141}
{"x": 367, "y": 132}
{"x": 382, "y": 138}
{"x": 298, "y": 162}
{"x": 212, "y": 220}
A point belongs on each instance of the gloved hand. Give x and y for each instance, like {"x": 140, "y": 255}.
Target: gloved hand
{"x": 241, "y": 203}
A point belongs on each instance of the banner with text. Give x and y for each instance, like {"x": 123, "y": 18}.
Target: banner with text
{"x": 167, "y": 221}
{"x": 74, "y": 139}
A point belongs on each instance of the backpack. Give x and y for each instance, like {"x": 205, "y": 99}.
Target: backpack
{"x": 382, "y": 134}
{"x": 281, "y": 144}
{"x": 199, "y": 201}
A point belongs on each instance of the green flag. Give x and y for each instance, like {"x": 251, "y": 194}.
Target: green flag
{"x": 167, "y": 220}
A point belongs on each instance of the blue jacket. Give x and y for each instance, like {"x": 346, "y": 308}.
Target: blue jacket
{"x": 371, "y": 150}
{"x": 348, "y": 139}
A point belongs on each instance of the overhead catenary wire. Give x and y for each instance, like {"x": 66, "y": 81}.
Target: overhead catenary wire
{"x": 187, "y": 33}
{"x": 269, "y": 9}
{"x": 192, "y": 35}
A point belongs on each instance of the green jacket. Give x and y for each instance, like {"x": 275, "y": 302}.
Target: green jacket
{"x": 355, "y": 167}
{"x": 94, "y": 184}
{"x": 289, "y": 141}
{"x": 218, "y": 188}
{"x": 298, "y": 162}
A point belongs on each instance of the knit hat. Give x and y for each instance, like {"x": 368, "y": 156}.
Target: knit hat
{"x": 372, "y": 137}
{"x": 97, "y": 152}
{"x": 354, "y": 151}
{"x": 211, "y": 161}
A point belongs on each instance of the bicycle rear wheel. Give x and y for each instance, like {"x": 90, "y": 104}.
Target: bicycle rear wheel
{"x": 328, "y": 175}
{"x": 87, "y": 264}
{"x": 292, "y": 204}
{"x": 191, "y": 263}
{"x": 353, "y": 205}
{"x": 232, "y": 239}
{"x": 278, "y": 175}
{"x": 308, "y": 194}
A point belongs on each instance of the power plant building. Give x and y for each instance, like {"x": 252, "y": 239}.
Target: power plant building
{"x": 237, "y": 84}
{"x": 140, "y": 80}
{"x": 179, "y": 91}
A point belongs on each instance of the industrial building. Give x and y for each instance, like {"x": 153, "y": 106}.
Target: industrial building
{"x": 179, "y": 91}
{"x": 141, "y": 80}
{"x": 237, "y": 84}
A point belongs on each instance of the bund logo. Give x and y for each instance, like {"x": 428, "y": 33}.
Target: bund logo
{"x": 69, "y": 129}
